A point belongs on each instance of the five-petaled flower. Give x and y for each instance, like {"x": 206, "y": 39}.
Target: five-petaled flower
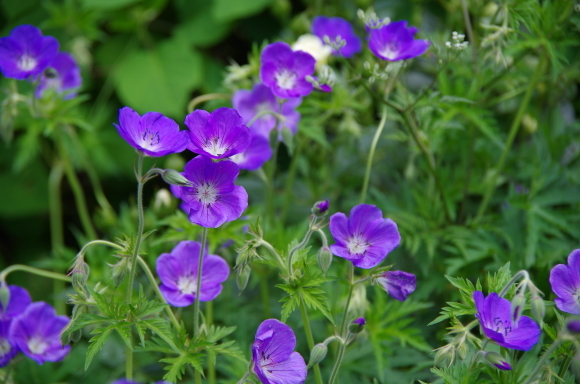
{"x": 396, "y": 41}
{"x": 285, "y": 71}
{"x": 63, "y": 75}
{"x": 494, "y": 315}
{"x": 337, "y": 27}
{"x": 273, "y": 356}
{"x": 37, "y": 331}
{"x": 219, "y": 134}
{"x": 26, "y": 53}
{"x": 178, "y": 273}
{"x": 18, "y": 300}
{"x": 565, "y": 281}
{"x": 365, "y": 238}
{"x": 213, "y": 198}
{"x": 153, "y": 134}
{"x": 398, "y": 284}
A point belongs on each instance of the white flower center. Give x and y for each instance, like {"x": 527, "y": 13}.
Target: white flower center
{"x": 150, "y": 139}
{"x": 5, "y": 347}
{"x": 239, "y": 158}
{"x": 187, "y": 284}
{"x": 215, "y": 147}
{"x": 391, "y": 50}
{"x": 285, "y": 79}
{"x": 37, "y": 345}
{"x": 26, "y": 63}
{"x": 357, "y": 245}
{"x": 206, "y": 194}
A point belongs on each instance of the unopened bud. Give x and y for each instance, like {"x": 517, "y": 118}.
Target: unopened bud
{"x": 79, "y": 276}
{"x": 171, "y": 176}
{"x": 518, "y": 305}
{"x": 573, "y": 326}
{"x": 243, "y": 277}
{"x": 357, "y": 325}
{"x": 462, "y": 350}
{"x": 320, "y": 208}
{"x": 324, "y": 259}
{"x": 538, "y": 308}
{"x": 445, "y": 354}
{"x": 317, "y": 354}
{"x": 496, "y": 360}
{"x": 119, "y": 269}
{"x": 4, "y": 296}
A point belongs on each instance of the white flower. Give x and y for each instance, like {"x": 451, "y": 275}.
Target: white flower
{"x": 314, "y": 46}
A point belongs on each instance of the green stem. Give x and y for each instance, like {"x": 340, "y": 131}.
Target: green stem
{"x": 566, "y": 363}
{"x": 210, "y": 365}
{"x": 309, "y": 337}
{"x": 196, "y": 330}
{"x": 270, "y": 248}
{"x": 76, "y": 188}
{"x": 207, "y": 97}
{"x": 511, "y": 137}
{"x": 371, "y": 155}
{"x": 128, "y": 363}
{"x": 56, "y": 227}
{"x": 35, "y": 271}
{"x": 141, "y": 225}
{"x": 542, "y": 360}
{"x": 158, "y": 292}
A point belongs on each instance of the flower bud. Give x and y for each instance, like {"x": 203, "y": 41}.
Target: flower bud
{"x": 79, "y": 275}
{"x": 324, "y": 258}
{"x": 573, "y": 326}
{"x": 538, "y": 308}
{"x": 317, "y": 354}
{"x": 243, "y": 277}
{"x": 320, "y": 207}
{"x": 119, "y": 269}
{"x": 171, "y": 176}
{"x": 496, "y": 360}
{"x": 357, "y": 325}
{"x": 518, "y": 305}
{"x": 4, "y": 295}
{"x": 445, "y": 354}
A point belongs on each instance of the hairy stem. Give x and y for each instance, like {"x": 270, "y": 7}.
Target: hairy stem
{"x": 543, "y": 359}
{"x": 207, "y": 97}
{"x": 374, "y": 143}
{"x": 128, "y": 363}
{"x": 309, "y": 337}
{"x": 35, "y": 271}
{"x": 196, "y": 330}
{"x": 141, "y": 224}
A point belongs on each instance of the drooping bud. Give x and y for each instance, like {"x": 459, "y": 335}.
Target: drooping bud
{"x": 317, "y": 354}
{"x": 79, "y": 275}
{"x": 324, "y": 259}
{"x": 538, "y": 308}
{"x": 357, "y": 325}
{"x": 171, "y": 176}
{"x": 243, "y": 277}
{"x": 320, "y": 208}
{"x": 445, "y": 354}
{"x": 4, "y": 295}
{"x": 518, "y": 305}
{"x": 496, "y": 360}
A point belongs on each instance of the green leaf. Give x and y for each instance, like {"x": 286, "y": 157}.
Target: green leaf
{"x": 217, "y": 333}
{"x": 203, "y": 29}
{"x": 228, "y": 10}
{"x": 177, "y": 365}
{"x": 160, "y": 79}
{"x": 161, "y": 329}
{"x": 96, "y": 343}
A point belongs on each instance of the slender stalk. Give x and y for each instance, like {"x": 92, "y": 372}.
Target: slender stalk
{"x": 207, "y": 97}
{"x": 196, "y": 330}
{"x": 210, "y": 365}
{"x": 523, "y": 273}
{"x": 56, "y": 227}
{"x": 35, "y": 271}
{"x": 309, "y": 337}
{"x": 141, "y": 225}
{"x": 270, "y": 248}
{"x": 128, "y": 363}
{"x": 372, "y": 153}
{"x": 566, "y": 363}
{"x": 542, "y": 360}
{"x": 511, "y": 137}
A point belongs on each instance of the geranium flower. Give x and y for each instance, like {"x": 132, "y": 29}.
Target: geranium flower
{"x": 398, "y": 284}
{"x": 219, "y": 134}
{"x": 17, "y": 303}
{"x": 365, "y": 238}
{"x": 314, "y": 46}
{"x": 213, "y": 199}
{"x": 260, "y": 98}
{"x": 565, "y": 282}
{"x": 178, "y": 273}
{"x": 63, "y": 74}
{"x": 153, "y": 134}
{"x": 37, "y": 331}
{"x": 256, "y": 155}
{"x": 273, "y": 356}
{"x": 494, "y": 315}
{"x": 8, "y": 348}
{"x": 394, "y": 42}
{"x": 26, "y": 52}
{"x": 334, "y": 27}
{"x": 285, "y": 71}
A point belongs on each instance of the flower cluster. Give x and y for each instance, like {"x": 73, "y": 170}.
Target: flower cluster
{"x": 31, "y": 328}
{"x": 458, "y": 42}
{"x": 28, "y": 55}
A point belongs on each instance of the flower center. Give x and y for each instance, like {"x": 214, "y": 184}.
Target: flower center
{"x": 5, "y": 347}
{"x": 26, "y": 63}
{"x": 37, "y": 345}
{"x": 215, "y": 147}
{"x": 239, "y": 158}
{"x": 150, "y": 139}
{"x": 502, "y": 326}
{"x": 206, "y": 194}
{"x": 285, "y": 79}
{"x": 187, "y": 284}
{"x": 357, "y": 245}
{"x": 391, "y": 50}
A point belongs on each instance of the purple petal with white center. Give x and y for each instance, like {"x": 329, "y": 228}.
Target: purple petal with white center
{"x": 19, "y": 301}
{"x": 175, "y": 297}
{"x": 398, "y": 284}
{"x": 8, "y": 348}
{"x": 394, "y": 42}
{"x": 336, "y": 26}
{"x": 66, "y": 76}
{"x": 257, "y": 154}
{"x": 565, "y": 282}
{"x": 37, "y": 333}
{"x": 219, "y": 134}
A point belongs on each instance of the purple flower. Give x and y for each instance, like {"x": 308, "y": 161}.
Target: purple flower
{"x": 320, "y": 207}
{"x": 178, "y": 273}
{"x": 153, "y": 134}
{"x": 213, "y": 198}
{"x": 26, "y": 52}
{"x": 496, "y": 360}
{"x": 360, "y": 321}
{"x": 17, "y": 303}
{"x": 37, "y": 331}
{"x": 63, "y": 74}
{"x": 334, "y": 27}
{"x": 365, "y": 238}
{"x": 256, "y": 155}
{"x": 219, "y": 134}
{"x": 8, "y": 348}
{"x": 357, "y": 325}
{"x": 394, "y": 42}
{"x": 573, "y": 326}
{"x": 565, "y": 281}
{"x": 259, "y": 99}
{"x": 285, "y": 71}
{"x": 494, "y": 315}
{"x": 273, "y": 356}
{"x": 398, "y": 284}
